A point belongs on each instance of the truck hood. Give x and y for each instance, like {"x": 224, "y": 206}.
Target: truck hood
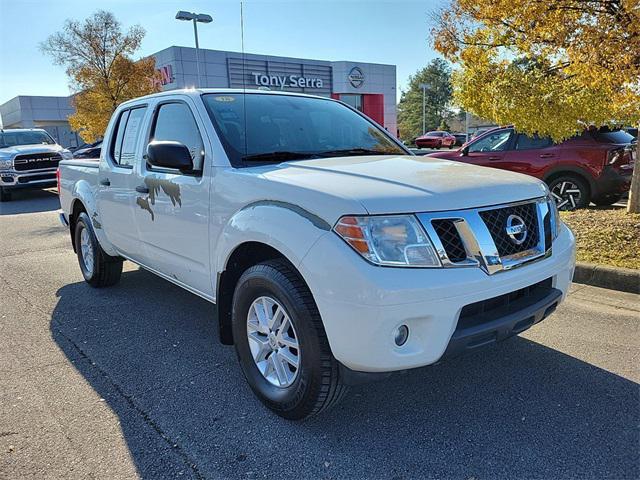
{"x": 404, "y": 184}
{"x": 11, "y": 152}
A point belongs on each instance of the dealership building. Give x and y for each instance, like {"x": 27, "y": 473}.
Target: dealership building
{"x": 369, "y": 87}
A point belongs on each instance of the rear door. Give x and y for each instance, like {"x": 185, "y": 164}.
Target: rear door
{"x": 531, "y": 155}
{"x": 171, "y": 207}
{"x": 116, "y": 182}
{"x": 491, "y": 149}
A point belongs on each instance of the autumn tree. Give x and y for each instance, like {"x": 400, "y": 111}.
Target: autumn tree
{"x": 548, "y": 67}
{"x": 98, "y": 60}
{"x": 437, "y": 76}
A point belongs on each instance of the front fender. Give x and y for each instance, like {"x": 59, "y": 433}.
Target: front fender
{"x": 288, "y": 228}
{"x": 85, "y": 193}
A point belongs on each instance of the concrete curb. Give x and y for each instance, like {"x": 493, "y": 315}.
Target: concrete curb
{"x": 614, "y": 278}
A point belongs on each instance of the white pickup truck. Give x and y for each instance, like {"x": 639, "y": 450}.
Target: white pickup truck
{"x": 332, "y": 253}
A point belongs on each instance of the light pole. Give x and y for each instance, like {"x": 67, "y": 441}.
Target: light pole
{"x": 195, "y": 17}
{"x": 424, "y": 87}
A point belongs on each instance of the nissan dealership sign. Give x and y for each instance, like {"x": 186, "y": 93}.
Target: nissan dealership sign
{"x": 356, "y": 77}
{"x": 283, "y": 81}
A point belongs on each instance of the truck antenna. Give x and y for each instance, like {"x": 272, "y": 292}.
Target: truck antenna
{"x": 244, "y": 75}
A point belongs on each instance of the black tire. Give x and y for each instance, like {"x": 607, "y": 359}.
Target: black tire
{"x": 317, "y": 385}
{"x": 563, "y": 188}
{"x": 5, "y": 195}
{"x": 106, "y": 270}
{"x": 607, "y": 200}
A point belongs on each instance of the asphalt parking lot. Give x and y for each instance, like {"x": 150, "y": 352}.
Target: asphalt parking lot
{"x": 131, "y": 381}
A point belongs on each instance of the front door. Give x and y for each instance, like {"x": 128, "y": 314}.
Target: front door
{"x": 172, "y": 208}
{"x": 116, "y": 183}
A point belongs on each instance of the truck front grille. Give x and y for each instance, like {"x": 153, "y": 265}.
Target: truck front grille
{"x": 496, "y": 221}
{"x": 493, "y": 238}
{"x": 36, "y": 161}
{"x": 450, "y": 239}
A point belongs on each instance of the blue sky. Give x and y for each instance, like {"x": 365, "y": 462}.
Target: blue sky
{"x": 394, "y": 32}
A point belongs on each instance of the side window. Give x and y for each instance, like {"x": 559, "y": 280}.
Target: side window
{"x": 525, "y": 142}
{"x": 131, "y": 135}
{"x": 123, "y": 146}
{"x": 493, "y": 142}
{"x": 116, "y": 143}
{"x": 175, "y": 122}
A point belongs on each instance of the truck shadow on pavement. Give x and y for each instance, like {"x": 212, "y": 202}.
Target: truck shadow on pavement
{"x": 30, "y": 201}
{"x": 518, "y": 409}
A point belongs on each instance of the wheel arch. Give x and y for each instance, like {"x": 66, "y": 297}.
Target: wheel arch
{"x": 244, "y": 256}
{"x": 571, "y": 171}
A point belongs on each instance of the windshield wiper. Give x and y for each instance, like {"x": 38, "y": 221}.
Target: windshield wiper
{"x": 355, "y": 151}
{"x": 279, "y": 156}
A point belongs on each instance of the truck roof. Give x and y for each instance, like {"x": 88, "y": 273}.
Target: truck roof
{"x": 196, "y": 92}
{"x": 22, "y": 130}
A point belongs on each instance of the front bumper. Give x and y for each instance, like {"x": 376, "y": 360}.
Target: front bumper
{"x": 362, "y": 305}
{"x": 13, "y": 180}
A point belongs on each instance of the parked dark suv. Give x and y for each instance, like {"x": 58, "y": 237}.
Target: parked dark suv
{"x": 595, "y": 166}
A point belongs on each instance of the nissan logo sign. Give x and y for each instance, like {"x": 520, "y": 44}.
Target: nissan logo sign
{"x": 356, "y": 77}
{"x": 516, "y": 229}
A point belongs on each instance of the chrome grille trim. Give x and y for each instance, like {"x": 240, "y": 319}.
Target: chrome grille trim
{"x": 479, "y": 244}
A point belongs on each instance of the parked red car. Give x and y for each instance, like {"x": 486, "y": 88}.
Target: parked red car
{"x": 595, "y": 166}
{"x": 436, "y": 139}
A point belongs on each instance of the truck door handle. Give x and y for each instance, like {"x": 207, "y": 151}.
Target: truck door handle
{"x": 495, "y": 158}
{"x": 142, "y": 189}
{"x": 105, "y": 182}
{"x": 546, "y": 155}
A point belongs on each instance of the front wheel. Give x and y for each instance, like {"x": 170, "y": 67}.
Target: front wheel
{"x": 569, "y": 192}
{"x": 98, "y": 268}
{"x": 281, "y": 343}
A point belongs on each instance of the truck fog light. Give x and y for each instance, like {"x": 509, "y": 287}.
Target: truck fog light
{"x": 402, "y": 334}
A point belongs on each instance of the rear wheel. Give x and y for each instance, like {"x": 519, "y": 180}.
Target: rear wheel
{"x": 606, "y": 200}
{"x": 570, "y": 192}
{"x": 5, "y": 195}
{"x": 281, "y": 343}
{"x": 98, "y": 268}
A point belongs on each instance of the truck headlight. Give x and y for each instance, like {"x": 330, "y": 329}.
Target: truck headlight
{"x": 6, "y": 164}
{"x": 393, "y": 240}
{"x": 554, "y": 217}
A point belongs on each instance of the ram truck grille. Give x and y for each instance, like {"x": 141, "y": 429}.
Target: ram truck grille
{"x": 36, "y": 161}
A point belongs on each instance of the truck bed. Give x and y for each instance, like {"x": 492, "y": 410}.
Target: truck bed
{"x": 72, "y": 174}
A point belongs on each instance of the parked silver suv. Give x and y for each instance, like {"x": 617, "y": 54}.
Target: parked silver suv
{"x": 28, "y": 159}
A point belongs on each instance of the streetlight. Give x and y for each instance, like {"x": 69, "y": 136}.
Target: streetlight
{"x": 424, "y": 87}
{"x": 195, "y": 17}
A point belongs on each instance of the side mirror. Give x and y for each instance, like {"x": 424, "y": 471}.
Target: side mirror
{"x": 168, "y": 154}
{"x": 465, "y": 151}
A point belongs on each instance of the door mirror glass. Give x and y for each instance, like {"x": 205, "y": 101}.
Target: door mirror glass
{"x": 168, "y": 154}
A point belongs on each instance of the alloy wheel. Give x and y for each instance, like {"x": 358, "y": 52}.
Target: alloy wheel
{"x": 86, "y": 247}
{"x": 567, "y": 195}
{"x": 273, "y": 341}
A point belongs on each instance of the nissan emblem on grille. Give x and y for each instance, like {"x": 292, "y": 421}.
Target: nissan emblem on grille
{"x": 516, "y": 229}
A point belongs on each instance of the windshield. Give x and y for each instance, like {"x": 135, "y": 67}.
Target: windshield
{"x": 280, "y": 128}
{"x": 11, "y": 139}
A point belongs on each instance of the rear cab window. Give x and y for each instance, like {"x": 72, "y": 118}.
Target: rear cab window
{"x": 127, "y": 132}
